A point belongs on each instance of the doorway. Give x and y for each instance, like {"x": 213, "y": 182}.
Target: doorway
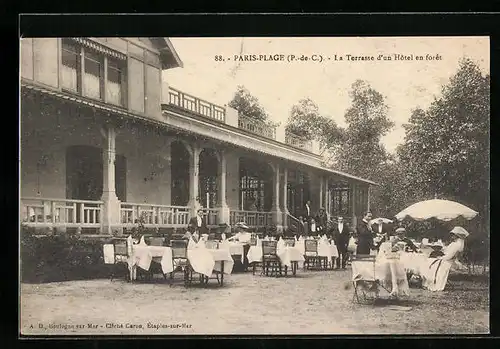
{"x": 84, "y": 173}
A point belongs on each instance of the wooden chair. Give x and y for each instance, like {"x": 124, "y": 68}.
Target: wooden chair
{"x": 180, "y": 260}
{"x": 311, "y": 255}
{"x": 366, "y": 285}
{"x": 157, "y": 241}
{"x": 121, "y": 257}
{"x": 155, "y": 265}
{"x": 271, "y": 264}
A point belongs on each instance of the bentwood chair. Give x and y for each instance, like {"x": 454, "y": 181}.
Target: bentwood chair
{"x": 121, "y": 256}
{"x": 366, "y": 285}
{"x": 180, "y": 260}
{"x": 271, "y": 264}
{"x": 311, "y": 254}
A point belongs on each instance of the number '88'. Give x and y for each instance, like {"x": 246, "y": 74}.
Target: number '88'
{"x": 218, "y": 58}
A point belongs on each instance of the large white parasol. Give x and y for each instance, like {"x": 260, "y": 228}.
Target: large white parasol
{"x": 443, "y": 210}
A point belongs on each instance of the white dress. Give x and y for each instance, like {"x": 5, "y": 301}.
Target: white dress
{"x": 435, "y": 272}
{"x": 390, "y": 271}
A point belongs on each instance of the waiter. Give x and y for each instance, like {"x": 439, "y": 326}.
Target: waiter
{"x": 197, "y": 226}
{"x": 341, "y": 237}
{"x": 365, "y": 237}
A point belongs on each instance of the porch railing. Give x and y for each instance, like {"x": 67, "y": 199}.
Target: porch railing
{"x": 257, "y": 127}
{"x": 196, "y": 105}
{"x": 60, "y": 212}
{"x": 253, "y": 219}
{"x": 211, "y": 215}
{"x": 161, "y": 216}
{"x": 298, "y": 142}
{"x": 293, "y": 223}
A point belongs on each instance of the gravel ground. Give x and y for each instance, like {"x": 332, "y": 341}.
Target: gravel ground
{"x": 314, "y": 302}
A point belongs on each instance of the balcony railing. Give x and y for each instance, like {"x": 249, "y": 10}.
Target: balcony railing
{"x": 154, "y": 216}
{"x": 298, "y": 142}
{"x": 196, "y": 105}
{"x": 45, "y": 212}
{"x": 256, "y": 126}
{"x": 254, "y": 219}
{"x": 211, "y": 216}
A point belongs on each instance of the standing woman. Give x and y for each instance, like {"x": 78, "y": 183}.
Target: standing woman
{"x": 365, "y": 237}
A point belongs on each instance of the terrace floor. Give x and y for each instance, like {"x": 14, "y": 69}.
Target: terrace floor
{"x": 314, "y": 302}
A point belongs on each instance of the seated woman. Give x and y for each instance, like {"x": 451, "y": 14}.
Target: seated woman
{"x": 435, "y": 272}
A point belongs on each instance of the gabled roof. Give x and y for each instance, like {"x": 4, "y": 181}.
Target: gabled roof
{"x": 168, "y": 55}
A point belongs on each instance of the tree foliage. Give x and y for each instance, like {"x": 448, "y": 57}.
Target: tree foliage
{"x": 248, "y": 105}
{"x": 446, "y": 147}
{"x": 305, "y": 121}
{"x": 362, "y": 152}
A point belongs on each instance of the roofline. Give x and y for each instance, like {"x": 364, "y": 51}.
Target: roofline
{"x": 343, "y": 174}
{"x": 137, "y": 117}
{"x": 171, "y": 48}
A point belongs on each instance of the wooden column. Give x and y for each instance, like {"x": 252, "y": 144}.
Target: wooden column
{"x": 110, "y": 219}
{"x": 223, "y": 208}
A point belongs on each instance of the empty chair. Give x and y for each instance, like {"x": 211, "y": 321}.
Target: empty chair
{"x": 180, "y": 260}
{"x": 366, "y": 285}
{"x": 121, "y": 257}
{"x": 311, "y": 255}
{"x": 271, "y": 264}
{"x": 156, "y": 241}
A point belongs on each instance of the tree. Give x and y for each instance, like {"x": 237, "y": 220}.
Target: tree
{"x": 305, "y": 121}
{"x": 362, "y": 153}
{"x": 248, "y": 105}
{"x": 446, "y": 147}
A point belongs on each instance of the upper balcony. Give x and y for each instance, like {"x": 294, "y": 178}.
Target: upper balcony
{"x": 229, "y": 116}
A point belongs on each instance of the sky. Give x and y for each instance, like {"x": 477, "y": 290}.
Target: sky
{"x": 405, "y": 84}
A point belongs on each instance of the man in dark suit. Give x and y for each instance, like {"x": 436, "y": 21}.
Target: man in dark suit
{"x": 197, "y": 225}
{"x": 341, "y": 238}
{"x": 365, "y": 235}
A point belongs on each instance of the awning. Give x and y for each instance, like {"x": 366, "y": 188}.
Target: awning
{"x": 100, "y": 48}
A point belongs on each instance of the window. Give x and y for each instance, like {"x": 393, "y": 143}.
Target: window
{"x": 71, "y": 61}
{"x": 93, "y": 77}
{"x": 252, "y": 193}
{"x": 78, "y": 59}
{"x": 340, "y": 200}
{"x": 114, "y": 84}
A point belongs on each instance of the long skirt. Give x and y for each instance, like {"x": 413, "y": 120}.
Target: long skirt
{"x": 435, "y": 274}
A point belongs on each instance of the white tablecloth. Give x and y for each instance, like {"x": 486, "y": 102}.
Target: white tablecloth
{"x": 222, "y": 255}
{"x": 286, "y": 254}
{"x": 289, "y": 254}
{"x": 413, "y": 262}
{"x": 325, "y": 249}
{"x": 390, "y": 273}
{"x": 254, "y": 254}
{"x": 237, "y": 248}
{"x": 142, "y": 255}
{"x": 205, "y": 261}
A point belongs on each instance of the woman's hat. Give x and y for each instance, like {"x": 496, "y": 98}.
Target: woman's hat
{"x": 241, "y": 225}
{"x": 459, "y": 232}
{"x": 400, "y": 230}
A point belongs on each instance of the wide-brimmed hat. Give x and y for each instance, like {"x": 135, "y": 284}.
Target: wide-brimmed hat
{"x": 242, "y": 225}
{"x": 400, "y": 230}
{"x": 459, "y": 232}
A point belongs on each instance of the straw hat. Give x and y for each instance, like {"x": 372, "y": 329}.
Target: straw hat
{"x": 400, "y": 230}
{"x": 459, "y": 232}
